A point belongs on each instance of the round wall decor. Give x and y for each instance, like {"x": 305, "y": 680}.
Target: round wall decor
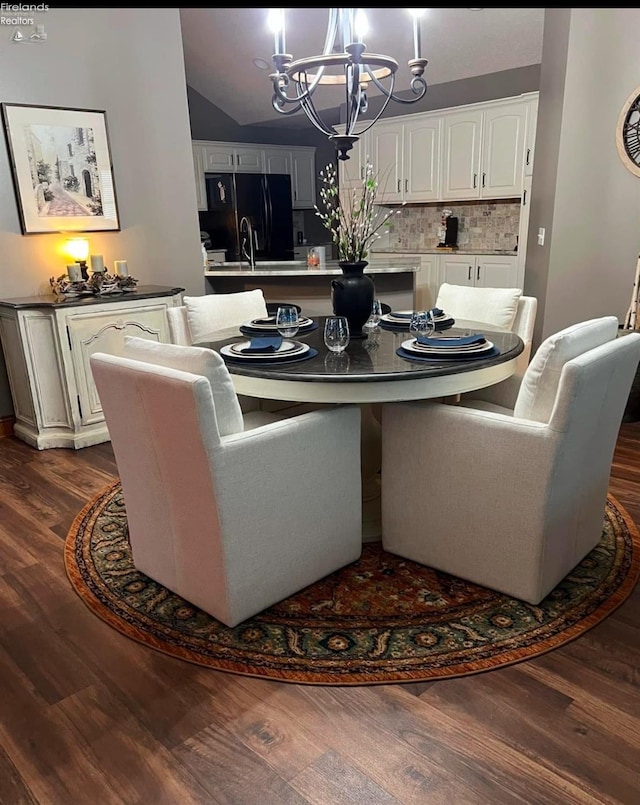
{"x": 628, "y": 133}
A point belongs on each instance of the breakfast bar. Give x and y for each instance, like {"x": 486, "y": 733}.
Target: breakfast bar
{"x": 294, "y": 281}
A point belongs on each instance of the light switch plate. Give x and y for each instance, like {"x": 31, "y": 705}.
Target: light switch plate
{"x": 541, "y": 234}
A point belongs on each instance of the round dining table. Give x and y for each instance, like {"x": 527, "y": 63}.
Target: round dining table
{"x": 369, "y": 372}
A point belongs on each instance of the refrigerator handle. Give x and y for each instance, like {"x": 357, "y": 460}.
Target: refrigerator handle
{"x": 268, "y": 212}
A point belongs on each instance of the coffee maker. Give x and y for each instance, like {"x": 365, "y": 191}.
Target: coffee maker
{"x": 448, "y": 231}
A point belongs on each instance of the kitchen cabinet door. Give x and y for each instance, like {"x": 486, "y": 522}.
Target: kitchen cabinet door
{"x": 233, "y": 158}
{"x": 458, "y": 269}
{"x": 502, "y": 149}
{"x": 201, "y": 188}
{"x": 462, "y": 132}
{"x": 386, "y": 154}
{"x": 480, "y": 270}
{"x": 530, "y": 136}
{"x": 421, "y": 159}
{"x": 303, "y": 178}
{"x": 277, "y": 160}
{"x": 496, "y": 271}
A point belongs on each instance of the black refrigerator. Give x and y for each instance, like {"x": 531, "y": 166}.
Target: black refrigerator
{"x": 263, "y": 199}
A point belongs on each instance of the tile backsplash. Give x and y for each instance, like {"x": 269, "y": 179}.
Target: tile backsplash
{"x": 482, "y": 226}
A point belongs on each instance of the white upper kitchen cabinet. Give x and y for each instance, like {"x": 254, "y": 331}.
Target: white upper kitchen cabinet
{"x": 232, "y": 157}
{"x": 277, "y": 160}
{"x": 483, "y": 151}
{"x": 421, "y": 138}
{"x": 303, "y": 178}
{"x": 462, "y": 137}
{"x": 201, "y": 187}
{"x": 405, "y": 154}
{"x": 530, "y": 135}
{"x": 386, "y": 156}
{"x": 502, "y": 148}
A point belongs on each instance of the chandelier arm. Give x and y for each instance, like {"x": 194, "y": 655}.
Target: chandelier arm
{"x": 306, "y": 103}
{"x": 418, "y": 87}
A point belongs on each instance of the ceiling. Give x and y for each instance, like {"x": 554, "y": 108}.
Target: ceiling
{"x": 221, "y": 44}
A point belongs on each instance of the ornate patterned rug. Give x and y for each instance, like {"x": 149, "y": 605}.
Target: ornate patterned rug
{"x": 381, "y": 619}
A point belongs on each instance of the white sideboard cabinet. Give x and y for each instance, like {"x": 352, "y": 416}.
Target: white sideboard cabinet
{"x": 47, "y": 344}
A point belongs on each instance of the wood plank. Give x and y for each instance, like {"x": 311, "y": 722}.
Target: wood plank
{"x": 88, "y": 715}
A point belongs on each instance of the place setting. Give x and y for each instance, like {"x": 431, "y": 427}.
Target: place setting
{"x": 269, "y": 324}
{"x": 274, "y": 344}
{"x": 399, "y": 320}
{"x": 428, "y": 346}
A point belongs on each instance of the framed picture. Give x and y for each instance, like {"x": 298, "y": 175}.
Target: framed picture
{"x": 62, "y": 169}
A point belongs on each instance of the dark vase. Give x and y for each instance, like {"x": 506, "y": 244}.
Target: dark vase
{"x": 352, "y": 296}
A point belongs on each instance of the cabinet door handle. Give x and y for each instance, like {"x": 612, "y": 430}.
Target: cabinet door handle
{"x": 528, "y": 156}
{"x": 469, "y": 274}
{"x": 406, "y": 185}
{"x": 362, "y": 171}
{"x": 233, "y": 159}
{"x": 475, "y": 180}
{"x": 483, "y": 178}
{"x": 399, "y": 185}
{"x": 478, "y": 273}
{"x": 524, "y": 197}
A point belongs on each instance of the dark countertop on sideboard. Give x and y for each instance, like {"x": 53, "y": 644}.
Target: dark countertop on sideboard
{"x": 52, "y": 301}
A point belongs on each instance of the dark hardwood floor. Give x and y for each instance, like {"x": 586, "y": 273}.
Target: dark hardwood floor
{"x": 88, "y": 716}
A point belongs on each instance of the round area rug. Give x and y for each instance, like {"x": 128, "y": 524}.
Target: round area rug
{"x": 380, "y": 619}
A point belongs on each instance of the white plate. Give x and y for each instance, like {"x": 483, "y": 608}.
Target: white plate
{"x": 287, "y": 350}
{"x": 255, "y": 324}
{"x": 474, "y": 349}
{"x": 394, "y": 319}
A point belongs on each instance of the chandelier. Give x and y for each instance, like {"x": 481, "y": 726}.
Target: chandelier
{"x": 344, "y": 63}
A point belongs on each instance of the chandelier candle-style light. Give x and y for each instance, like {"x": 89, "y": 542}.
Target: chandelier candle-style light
{"x": 295, "y": 82}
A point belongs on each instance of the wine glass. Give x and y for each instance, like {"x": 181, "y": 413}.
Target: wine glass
{"x": 376, "y": 312}
{"x": 287, "y": 321}
{"x": 421, "y": 324}
{"x": 336, "y": 333}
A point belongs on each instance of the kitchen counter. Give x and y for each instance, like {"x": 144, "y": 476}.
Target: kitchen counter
{"x": 387, "y": 264}
{"x": 394, "y": 277}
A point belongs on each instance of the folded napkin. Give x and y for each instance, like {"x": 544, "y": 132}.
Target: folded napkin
{"x": 268, "y": 320}
{"x": 452, "y": 341}
{"x": 259, "y": 345}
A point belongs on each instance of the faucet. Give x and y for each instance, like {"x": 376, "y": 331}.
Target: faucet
{"x": 247, "y": 229}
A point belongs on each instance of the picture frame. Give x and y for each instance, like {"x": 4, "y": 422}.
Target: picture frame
{"x": 62, "y": 168}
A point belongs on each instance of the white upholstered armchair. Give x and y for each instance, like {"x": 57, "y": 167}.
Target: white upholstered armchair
{"x": 511, "y": 498}
{"x": 199, "y": 319}
{"x": 230, "y": 518}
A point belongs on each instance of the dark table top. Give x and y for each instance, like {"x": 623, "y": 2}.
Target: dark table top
{"x": 52, "y": 301}
{"x": 373, "y": 358}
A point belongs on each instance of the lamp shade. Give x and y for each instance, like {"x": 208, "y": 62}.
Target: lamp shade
{"x": 76, "y": 248}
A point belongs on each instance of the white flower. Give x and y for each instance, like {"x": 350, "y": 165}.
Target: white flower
{"x": 357, "y": 221}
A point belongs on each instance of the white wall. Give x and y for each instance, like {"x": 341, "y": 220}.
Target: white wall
{"x": 128, "y": 62}
{"x": 584, "y": 197}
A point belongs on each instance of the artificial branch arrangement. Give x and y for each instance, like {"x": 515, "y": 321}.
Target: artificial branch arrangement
{"x": 98, "y": 284}
{"x": 355, "y": 222}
